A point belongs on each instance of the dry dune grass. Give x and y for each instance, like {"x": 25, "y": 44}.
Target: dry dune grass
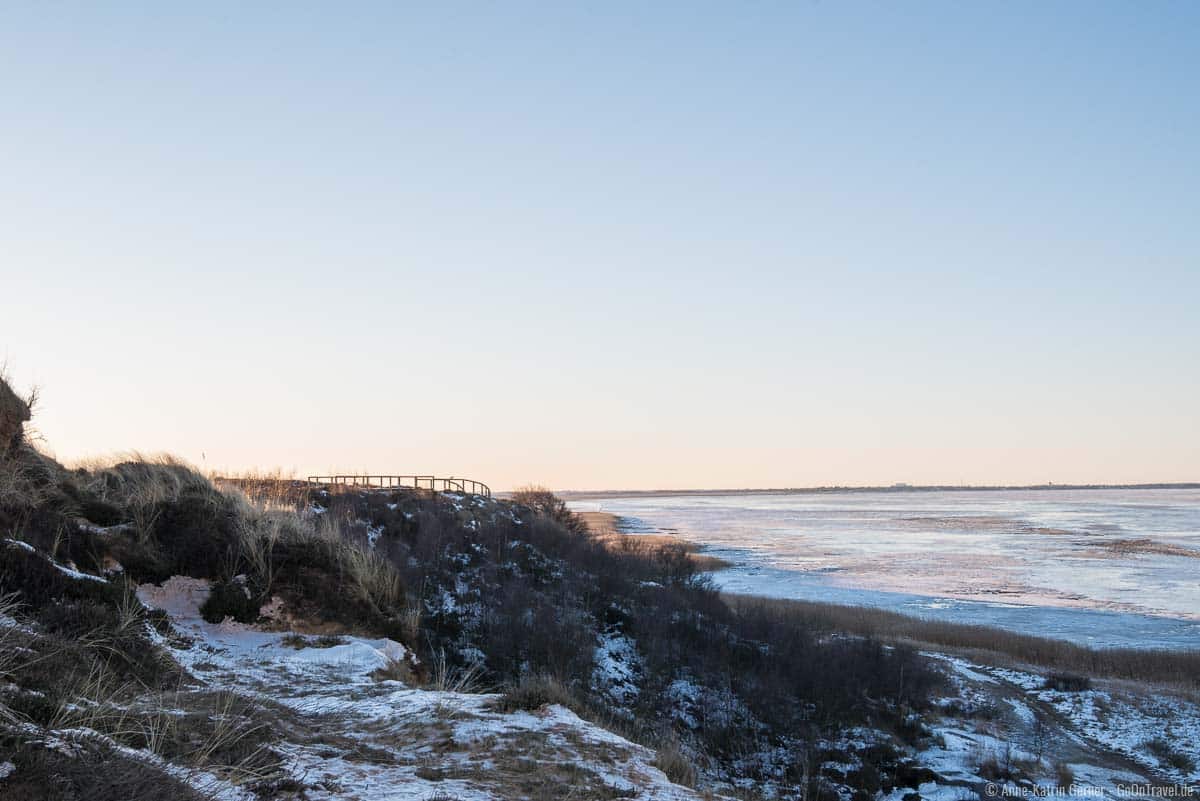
{"x": 268, "y": 511}
{"x": 1174, "y": 668}
{"x": 267, "y": 489}
{"x": 273, "y": 511}
{"x": 140, "y": 484}
{"x": 23, "y": 478}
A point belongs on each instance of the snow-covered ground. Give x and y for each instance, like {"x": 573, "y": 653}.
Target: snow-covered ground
{"x": 355, "y": 736}
{"x": 1111, "y": 736}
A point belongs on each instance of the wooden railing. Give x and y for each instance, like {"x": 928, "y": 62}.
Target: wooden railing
{"x": 466, "y": 486}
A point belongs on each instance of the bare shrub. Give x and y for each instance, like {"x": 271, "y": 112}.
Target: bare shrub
{"x": 545, "y": 503}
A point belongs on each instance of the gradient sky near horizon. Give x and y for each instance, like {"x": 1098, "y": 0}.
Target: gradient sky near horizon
{"x": 617, "y": 245}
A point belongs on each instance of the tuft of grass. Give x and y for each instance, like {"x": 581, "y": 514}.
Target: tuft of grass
{"x": 372, "y": 578}
{"x": 534, "y": 692}
{"x": 410, "y": 620}
{"x": 673, "y": 761}
{"x": 454, "y": 679}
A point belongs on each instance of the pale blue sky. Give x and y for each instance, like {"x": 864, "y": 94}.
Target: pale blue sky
{"x": 610, "y": 245}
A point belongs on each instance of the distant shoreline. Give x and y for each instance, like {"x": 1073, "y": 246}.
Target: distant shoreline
{"x": 576, "y": 495}
{"x": 609, "y": 528}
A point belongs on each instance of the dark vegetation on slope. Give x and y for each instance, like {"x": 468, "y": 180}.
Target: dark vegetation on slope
{"x": 526, "y": 594}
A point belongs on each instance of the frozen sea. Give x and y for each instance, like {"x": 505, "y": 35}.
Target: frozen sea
{"x": 1100, "y": 567}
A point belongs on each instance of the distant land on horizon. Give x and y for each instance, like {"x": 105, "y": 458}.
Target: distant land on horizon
{"x": 585, "y": 494}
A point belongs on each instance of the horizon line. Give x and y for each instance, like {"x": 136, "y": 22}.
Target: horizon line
{"x": 900, "y": 487}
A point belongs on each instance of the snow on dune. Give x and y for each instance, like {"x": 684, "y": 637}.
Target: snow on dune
{"x": 362, "y": 738}
{"x": 1151, "y": 728}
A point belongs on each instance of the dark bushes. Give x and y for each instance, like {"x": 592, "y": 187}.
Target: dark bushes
{"x": 530, "y": 597}
{"x": 231, "y": 599}
{"x": 198, "y": 533}
{"x": 544, "y": 503}
{"x": 1067, "y": 682}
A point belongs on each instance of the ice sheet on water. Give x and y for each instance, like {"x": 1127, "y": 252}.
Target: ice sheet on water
{"x": 1048, "y": 562}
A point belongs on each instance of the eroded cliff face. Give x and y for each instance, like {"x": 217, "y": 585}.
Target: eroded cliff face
{"x": 14, "y": 413}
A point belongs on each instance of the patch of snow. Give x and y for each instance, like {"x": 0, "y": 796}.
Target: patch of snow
{"x": 618, "y": 666}
{"x": 963, "y": 668}
{"x": 932, "y": 791}
{"x": 70, "y": 571}
{"x": 684, "y": 697}
{"x": 1021, "y": 710}
{"x": 92, "y": 528}
{"x": 1094, "y": 776}
{"x": 73, "y": 573}
{"x": 1021, "y": 678}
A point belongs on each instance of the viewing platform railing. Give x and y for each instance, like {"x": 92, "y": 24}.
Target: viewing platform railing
{"x": 466, "y": 486}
